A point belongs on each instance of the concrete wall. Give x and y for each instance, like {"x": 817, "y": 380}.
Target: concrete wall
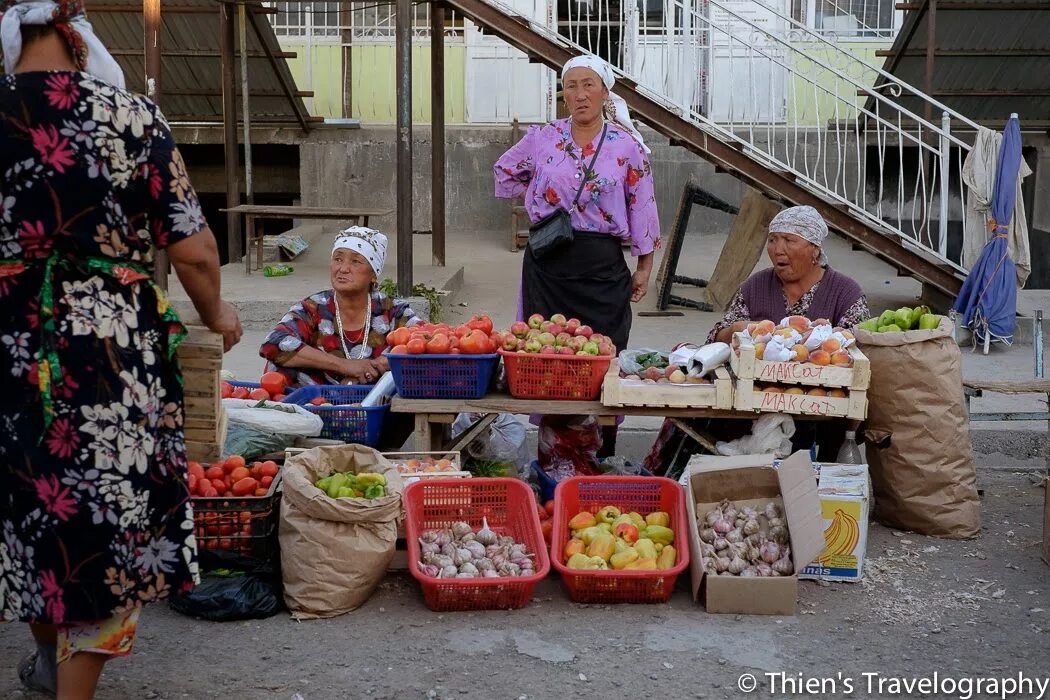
{"x": 360, "y": 171}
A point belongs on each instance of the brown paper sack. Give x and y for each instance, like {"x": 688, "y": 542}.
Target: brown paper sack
{"x": 918, "y": 433}
{"x": 335, "y": 551}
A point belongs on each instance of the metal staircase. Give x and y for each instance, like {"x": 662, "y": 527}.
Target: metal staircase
{"x": 790, "y": 112}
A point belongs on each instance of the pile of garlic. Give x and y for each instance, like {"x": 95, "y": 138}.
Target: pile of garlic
{"x": 744, "y": 542}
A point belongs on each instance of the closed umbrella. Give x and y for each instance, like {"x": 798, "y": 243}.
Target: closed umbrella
{"x": 988, "y": 299}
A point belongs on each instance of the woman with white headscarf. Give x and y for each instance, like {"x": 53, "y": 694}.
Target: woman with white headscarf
{"x": 94, "y": 503}
{"x": 338, "y": 336}
{"x": 595, "y": 166}
{"x": 799, "y": 283}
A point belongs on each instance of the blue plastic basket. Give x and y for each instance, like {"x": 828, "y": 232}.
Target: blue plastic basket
{"x": 548, "y": 484}
{"x": 351, "y": 424}
{"x": 442, "y": 376}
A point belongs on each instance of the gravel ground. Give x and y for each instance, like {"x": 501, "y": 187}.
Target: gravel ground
{"x": 977, "y": 608}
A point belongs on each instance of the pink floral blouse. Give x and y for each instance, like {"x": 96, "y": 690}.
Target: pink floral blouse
{"x": 618, "y": 199}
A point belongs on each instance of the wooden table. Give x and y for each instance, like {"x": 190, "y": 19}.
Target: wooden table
{"x": 253, "y": 213}
{"x": 434, "y": 416}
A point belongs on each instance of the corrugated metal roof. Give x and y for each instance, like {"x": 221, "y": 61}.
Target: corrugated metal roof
{"x": 997, "y": 41}
{"x": 191, "y": 67}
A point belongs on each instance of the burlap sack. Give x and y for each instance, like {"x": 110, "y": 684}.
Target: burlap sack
{"x": 334, "y": 551}
{"x": 918, "y": 433}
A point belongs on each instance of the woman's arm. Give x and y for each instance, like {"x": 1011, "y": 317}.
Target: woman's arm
{"x": 643, "y": 221}
{"x": 856, "y": 313}
{"x": 515, "y": 168}
{"x": 356, "y": 370}
{"x": 196, "y": 263}
{"x": 736, "y": 318}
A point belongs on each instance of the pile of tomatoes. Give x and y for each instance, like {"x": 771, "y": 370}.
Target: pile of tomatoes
{"x": 272, "y": 387}
{"x": 231, "y": 478}
{"x": 475, "y": 337}
{"x": 546, "y": 512}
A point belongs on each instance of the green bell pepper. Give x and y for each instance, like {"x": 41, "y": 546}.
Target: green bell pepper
{"x": 375, "y": 491}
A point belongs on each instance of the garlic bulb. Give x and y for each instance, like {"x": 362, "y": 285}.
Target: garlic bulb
{"x": 751, "y": 527}
{"x": 709, "y": 567}
{"x": 712, "y": 517}
{"x": 720, "y": 543}
{"x": 764, "y": 569}
{"x": 736, "y": 565}
{"x": 778, "y": 535}
{"x": 748, "y": 513}
{"x": 722, "y": 564}
{"x": 489, "y": 573}
{"x": 771, "y": 511}
{"x": 428, "y": 537}
{"x": 722, "y": 526}
{"x": 468, "y": 568}
{"x": 776, "y": 522}
{"x": 737, "y": 549}
{"x": 749, "y": 571}
{"x": 754, "y": 554}
{"x": 443, "y": 537}
{"x": 755, "y": 540}
{"x": 448, "y": 572}
{"x": 485, "y": 536}
{"x": 462, "y": 556}
{"x": 485, "y": 565}
{"x": 707, "y": 550}
{"x": 735, "y": 536}
{"x": 707, "y": 534}
{"x": 460, "y": 528}
{"x": 770, "y": 552}
{"x": 476, "y": 549}
{"x": 783, "y": 567}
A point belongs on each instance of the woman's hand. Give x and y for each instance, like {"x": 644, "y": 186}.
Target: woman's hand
{"x": 639, "y": 284}
{"x": 726, "y": 334}
{"x": 226, "y": 322}
{"x": 360, "y": 371}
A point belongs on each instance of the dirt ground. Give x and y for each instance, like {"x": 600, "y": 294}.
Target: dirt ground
{"x": 978, "y": 608}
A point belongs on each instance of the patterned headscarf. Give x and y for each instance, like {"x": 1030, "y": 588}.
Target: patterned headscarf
{"x": 621, "y": 115}
{"x": 371, "y": 244}
{"x": 804, "y": 222}
{"x": 69, "y": 19}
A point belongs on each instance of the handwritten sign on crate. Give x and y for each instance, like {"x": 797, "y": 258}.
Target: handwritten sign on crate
{"x": 854, "y": 405}
{"x": 791, "y": 372}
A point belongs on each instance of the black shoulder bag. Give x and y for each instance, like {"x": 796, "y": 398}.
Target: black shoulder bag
{"x": 554, "y": 231}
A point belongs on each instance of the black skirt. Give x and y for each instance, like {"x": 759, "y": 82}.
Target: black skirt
{"x": 588, "y": 280}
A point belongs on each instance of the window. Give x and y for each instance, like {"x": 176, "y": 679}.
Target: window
{"x": 869, "y": 19}
{"x": 365, "y": 19}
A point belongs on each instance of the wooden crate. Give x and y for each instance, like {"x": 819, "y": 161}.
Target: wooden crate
{"x": 200, "y": 358}
{"x": 617, "y": 392}
{"x": 745, "y": 366}
{"x": 854, "y": 405}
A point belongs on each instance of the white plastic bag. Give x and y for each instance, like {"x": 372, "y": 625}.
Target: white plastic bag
{"x": 699, "y": 362}
{"x": 628, "y": 359}
{"x": 770, "y": 433}
{"x": 503, "y": 441}
{"x": 280, "y": 418}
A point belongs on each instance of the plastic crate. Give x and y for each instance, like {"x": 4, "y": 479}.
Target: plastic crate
{"x": 510, "y": 508}
{"x": 549, "y": 484}
{"x": 243, "y": 524}
{"x": 442, "y": 376}
{"x": 642, "y": 494}
{"x": 351, "y": 424}
{"x": 568, "y": 377}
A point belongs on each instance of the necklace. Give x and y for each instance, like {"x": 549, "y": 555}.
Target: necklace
{"x": 363, "y": 352}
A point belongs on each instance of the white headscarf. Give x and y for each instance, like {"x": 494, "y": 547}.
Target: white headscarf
{"x": 98, "y": 61}
{"x": 622, "y": 116}
{"x": 371, "y": 244}
{"x": 804, "y": 222}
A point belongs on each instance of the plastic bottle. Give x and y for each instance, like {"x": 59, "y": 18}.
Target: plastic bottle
{"x": 849, "y": 453}
{"x": 277, "y": 270}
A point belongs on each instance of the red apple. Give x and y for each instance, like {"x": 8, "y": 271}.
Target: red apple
{"x": 566, "y": 350}
{"x": 571, "y": 325}
{"x": 558, "y": 318}
{"x": 535, "y": 320}
{"x": 606, "y": 348}
{"x": 533, "y": 345}
{"x": 590, "y": 347}
{"x": 563, "y": 339}
{"x": 548, "y": 350}
{"x": 577, "y": 342}
{"x": 510, "y": 343}
{"x": 556, "y": 328}
{"x": 521, "y": 343}
{"x": 519, "y": 329}
{"x": 545, "y": 327}
{"x": 584, "y": 331}
{"x": 546, "y": 339}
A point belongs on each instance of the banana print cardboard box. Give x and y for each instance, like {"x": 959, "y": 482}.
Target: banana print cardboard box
{"x": 845, "y": 503}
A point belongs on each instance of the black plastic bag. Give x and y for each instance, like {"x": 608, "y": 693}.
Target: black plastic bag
{"x": 233, "y": 587}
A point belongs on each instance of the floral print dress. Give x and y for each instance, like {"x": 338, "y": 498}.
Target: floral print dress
{"x": 311, "y": 323}
{"x": 95, "y": 518}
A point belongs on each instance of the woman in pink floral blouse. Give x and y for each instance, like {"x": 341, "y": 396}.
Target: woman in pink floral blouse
{"x": 599, "y": 146}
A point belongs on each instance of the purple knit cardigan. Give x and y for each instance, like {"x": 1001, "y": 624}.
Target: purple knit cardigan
{"x": 764, "y": 296}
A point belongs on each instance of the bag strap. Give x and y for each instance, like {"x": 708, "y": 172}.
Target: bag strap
{"x": 583, "y": 180}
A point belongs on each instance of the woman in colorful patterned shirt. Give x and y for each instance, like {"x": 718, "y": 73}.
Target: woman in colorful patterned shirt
{"x": 338, "y": 336}
{"x": 589, "y": 278}
{"x": 95, "y": 518}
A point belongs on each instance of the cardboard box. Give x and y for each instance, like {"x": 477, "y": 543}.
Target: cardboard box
{"x": 752, "y": 479}
{"x": 845, "y": 504}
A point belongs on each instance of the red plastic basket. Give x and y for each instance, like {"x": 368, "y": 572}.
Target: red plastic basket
{"x": 642, "y": 494}
{"x": 568, "y": 377}
{"x": 510, "y": 508}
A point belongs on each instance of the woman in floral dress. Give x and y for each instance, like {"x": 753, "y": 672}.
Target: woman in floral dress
{"x": 95, "y": 518}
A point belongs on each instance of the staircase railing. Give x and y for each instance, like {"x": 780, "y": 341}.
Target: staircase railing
{"x": 801, "y": 103}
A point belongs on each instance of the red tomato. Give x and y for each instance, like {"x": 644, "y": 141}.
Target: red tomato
{"x": 226, "y": 389}
{"x": 318, "y": 401}
{"x": 549, "y": 507}
{"x": 399, "y": 350}
{"x": 474, "y": 342}
{"x": 260, "y": 492}
{"x": 482, "y": 323}
{"x": 195, "y": 469}
{"x": 239, "y": 473}
{"x": 219, "y": 485}
{"x": 259, "y": 395}
{"x": 439, "y": 345}
{"x": 210, "y": 493}
{"x": 226, "y": 543}
{"x": 269, "y": 469}
{"x": 547, "y": 526}
{"x": 279, "y": 397}
{"x": 244, "y": 486}
{"x": 236, "y": 461}
{"x": 214, "y": 473}
{"x": 417, "y": 346}
{"x": 274, "y": 383}
{"x": 192, "y": 483}
{"x": 398, "y": 336}
{"x": 266, "y": 481}
{"x": 542, "y": 513}
{"x": 240, "y": 393}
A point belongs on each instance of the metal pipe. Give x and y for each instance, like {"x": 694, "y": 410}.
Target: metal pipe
{"x": 945, "y": 167}
{"x": 1037, "y": 335}
{"x": 151, "y": 72}
{"x": 229, "y": 125}
{"x": 242, "y": 31}
{"x": 437, "y": 133}
{"x": 403, "y": 41}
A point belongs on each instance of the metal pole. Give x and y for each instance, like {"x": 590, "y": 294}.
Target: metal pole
{"x": 403, "y": 32}
{"x": 931, "y": 49}
{"x": 437, "y": 133}
{"x": 946, "y": 160}
{"x": 242, "y": 45}
{"x": 1037, "y": 337}
{"x": 151, "y": 67}
{"x": 229, "y": 125}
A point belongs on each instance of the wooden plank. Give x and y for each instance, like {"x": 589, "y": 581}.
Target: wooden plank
{"x": 742, "y": 249}
{"x": 207, "y": 364}
{"x": 745, "y": 365}
{"x": 289, "y": 212}
{"x": 1027, "y": 386}
{"x": 617, "y": 392}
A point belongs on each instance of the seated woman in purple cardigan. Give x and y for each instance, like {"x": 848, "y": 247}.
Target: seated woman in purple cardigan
{"x": 799, "y": 283}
